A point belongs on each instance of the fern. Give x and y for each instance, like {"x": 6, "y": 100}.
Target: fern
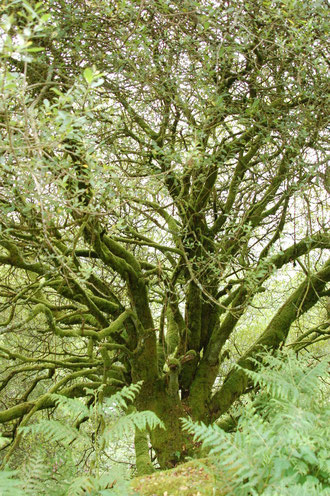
{"x": 125, "y": 425}
{"x": 118, "y": 400}
{"x": 107, "y": 424}
{"x": 299, "y": 379}
{"x": 280, "y": 445}
{"x": 34, "y": 474}
{"x": 113, "y": 483}
{"x": 55, "y": 431}
{"x": 73, "y": 407}
{"x": 9, "y": 485}
{"x": 34, "y": 479}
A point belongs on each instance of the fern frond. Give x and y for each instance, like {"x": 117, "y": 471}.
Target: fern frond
{"x": 299, "y": 377}
{"x": 34, "y": 475}
{"x": 81, "y": 486}
{"x": 126, "y": 393}
{"x": 72, "y": 406}
{"x": 55, "y": 431}
{"x": 113, "y": 483}
{"x": 280, "y": 445}
{"x": 40, "y": 481}
{"x": 10, "y": 485}
{"x": 124, "y": 426}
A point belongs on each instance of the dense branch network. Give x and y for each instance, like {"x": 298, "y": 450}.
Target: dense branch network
{"x": 146, "y": 203}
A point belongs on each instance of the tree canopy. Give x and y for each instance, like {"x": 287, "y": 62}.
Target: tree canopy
{"x": 161, "y": 162}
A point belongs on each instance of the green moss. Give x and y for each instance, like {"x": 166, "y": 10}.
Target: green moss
{"x": 171, "y": 445}
{"x": 143, "y": 462}
{"x": 201, "y": 388}
{"x": 194, "y": 315}
{"x": 195, "y": 478}
{"x": 172, "y": 332}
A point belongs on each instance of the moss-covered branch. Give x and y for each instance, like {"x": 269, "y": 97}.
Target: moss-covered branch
{"x": 302, "y": 299}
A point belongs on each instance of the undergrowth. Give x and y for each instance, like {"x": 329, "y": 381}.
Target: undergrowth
{"x": 43, "y": 474}
{"x": 280, "y": 446}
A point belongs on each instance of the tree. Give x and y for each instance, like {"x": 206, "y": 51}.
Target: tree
{"x": 160, "y": 162}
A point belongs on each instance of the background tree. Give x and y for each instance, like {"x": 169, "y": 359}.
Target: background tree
{"x": 160, "y": 162}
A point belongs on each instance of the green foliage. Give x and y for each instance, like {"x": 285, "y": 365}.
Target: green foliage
{"x": 113, "y": 483}
{"x": 9, "y": 485}
{"x": 42, "y": 475}
{"x": 53, "y": 430}
{"x": 105, "y": 412}
{"x": 36, "y": 475}
{"x": 280, "y": 445}
{"x": 72, "y": 406}
{"x": 126, "y": 393}
{"x": 125, "y": 425}
{"x": 161, "y": 164}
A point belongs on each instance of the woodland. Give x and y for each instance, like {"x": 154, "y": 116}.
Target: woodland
{"x": 164, "y": 236}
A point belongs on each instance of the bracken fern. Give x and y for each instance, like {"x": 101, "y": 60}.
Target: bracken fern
{"x": 280, "y": 444}
{"x": 37, "y": 477}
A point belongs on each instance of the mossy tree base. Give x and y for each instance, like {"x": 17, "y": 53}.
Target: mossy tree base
{"x": 195, "y": 478}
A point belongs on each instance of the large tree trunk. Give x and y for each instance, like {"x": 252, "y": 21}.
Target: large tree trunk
{"x": 171, "y": 445}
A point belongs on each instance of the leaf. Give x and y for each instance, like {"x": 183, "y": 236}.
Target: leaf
{"x": 45, "y": 17}
{"x": 35, "y": 49}
{"x": 57, "y": 92}
{"x": 308, "y": 455}
{"x": 73, "y": 406}
{"x": 9, "y": 485}
{"x": 97, "y": 83}
{"x": 88, "y": 75}
{"x": 55, "y": 431}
